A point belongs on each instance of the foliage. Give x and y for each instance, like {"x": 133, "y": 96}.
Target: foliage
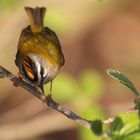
{"x": 97, "y": 127}
{"x": 125, "y": 126}
{"x": 122, "y": 128}
{"x": 89, "y": 86}
{"x": 123, "y": 79}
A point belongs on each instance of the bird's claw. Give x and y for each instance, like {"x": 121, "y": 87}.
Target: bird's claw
{"x": 47, "y": 100}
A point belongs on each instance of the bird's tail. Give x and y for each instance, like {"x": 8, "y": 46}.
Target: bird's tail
{"x": 36, "y": 16}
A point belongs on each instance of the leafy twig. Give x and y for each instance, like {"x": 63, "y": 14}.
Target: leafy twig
{"x": 95, "y": 126}
{"x": 123, "y": 79}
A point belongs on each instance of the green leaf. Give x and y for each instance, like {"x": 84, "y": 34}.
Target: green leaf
{"x": 123, "y": 79}
{"x": 97, "y": 127}
{"x": 117, "y": 124}
{"x": 126, "y": 126}
{"x": 90, "y": 114}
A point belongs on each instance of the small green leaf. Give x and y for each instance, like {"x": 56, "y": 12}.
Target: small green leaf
{"x": 117, "y": 124}
{"x": 123, "y": 79}
{"x": 97, "y": 127}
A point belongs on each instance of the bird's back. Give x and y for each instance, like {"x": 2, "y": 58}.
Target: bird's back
{"x": 43, "y": 43}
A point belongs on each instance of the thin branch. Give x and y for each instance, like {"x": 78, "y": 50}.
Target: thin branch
{"x": 4, "y": 73}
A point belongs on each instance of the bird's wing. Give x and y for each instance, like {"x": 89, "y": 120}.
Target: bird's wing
{"x": 25, "y": 33}
{"x": 53, "y": 37}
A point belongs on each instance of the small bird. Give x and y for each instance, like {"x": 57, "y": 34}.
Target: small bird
{"x": 39, "y": 55}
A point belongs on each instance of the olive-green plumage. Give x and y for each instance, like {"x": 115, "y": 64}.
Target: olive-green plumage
{"x": 39, "y": 56}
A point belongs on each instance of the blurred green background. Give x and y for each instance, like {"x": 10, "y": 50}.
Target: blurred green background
{"x": 95, "y": 35}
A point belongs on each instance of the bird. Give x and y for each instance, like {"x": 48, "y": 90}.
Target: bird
{"x": 39, "y": 54}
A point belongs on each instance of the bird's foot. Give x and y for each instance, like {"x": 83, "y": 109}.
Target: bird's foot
{"x": 47, "y": 100}
{"x": 18, "y": 78}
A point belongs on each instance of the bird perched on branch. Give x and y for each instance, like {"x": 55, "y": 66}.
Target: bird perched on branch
{"x": 39, "y": 56}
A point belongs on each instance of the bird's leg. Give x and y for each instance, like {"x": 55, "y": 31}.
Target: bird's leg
{"x": 50, "y": 93}
{"x": 51, "y": 86}
{"x": 42, "y": 88}
{"x": 49, "y": 96}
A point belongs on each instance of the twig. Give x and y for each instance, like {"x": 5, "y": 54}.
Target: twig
{"x": 4, "y": 73}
